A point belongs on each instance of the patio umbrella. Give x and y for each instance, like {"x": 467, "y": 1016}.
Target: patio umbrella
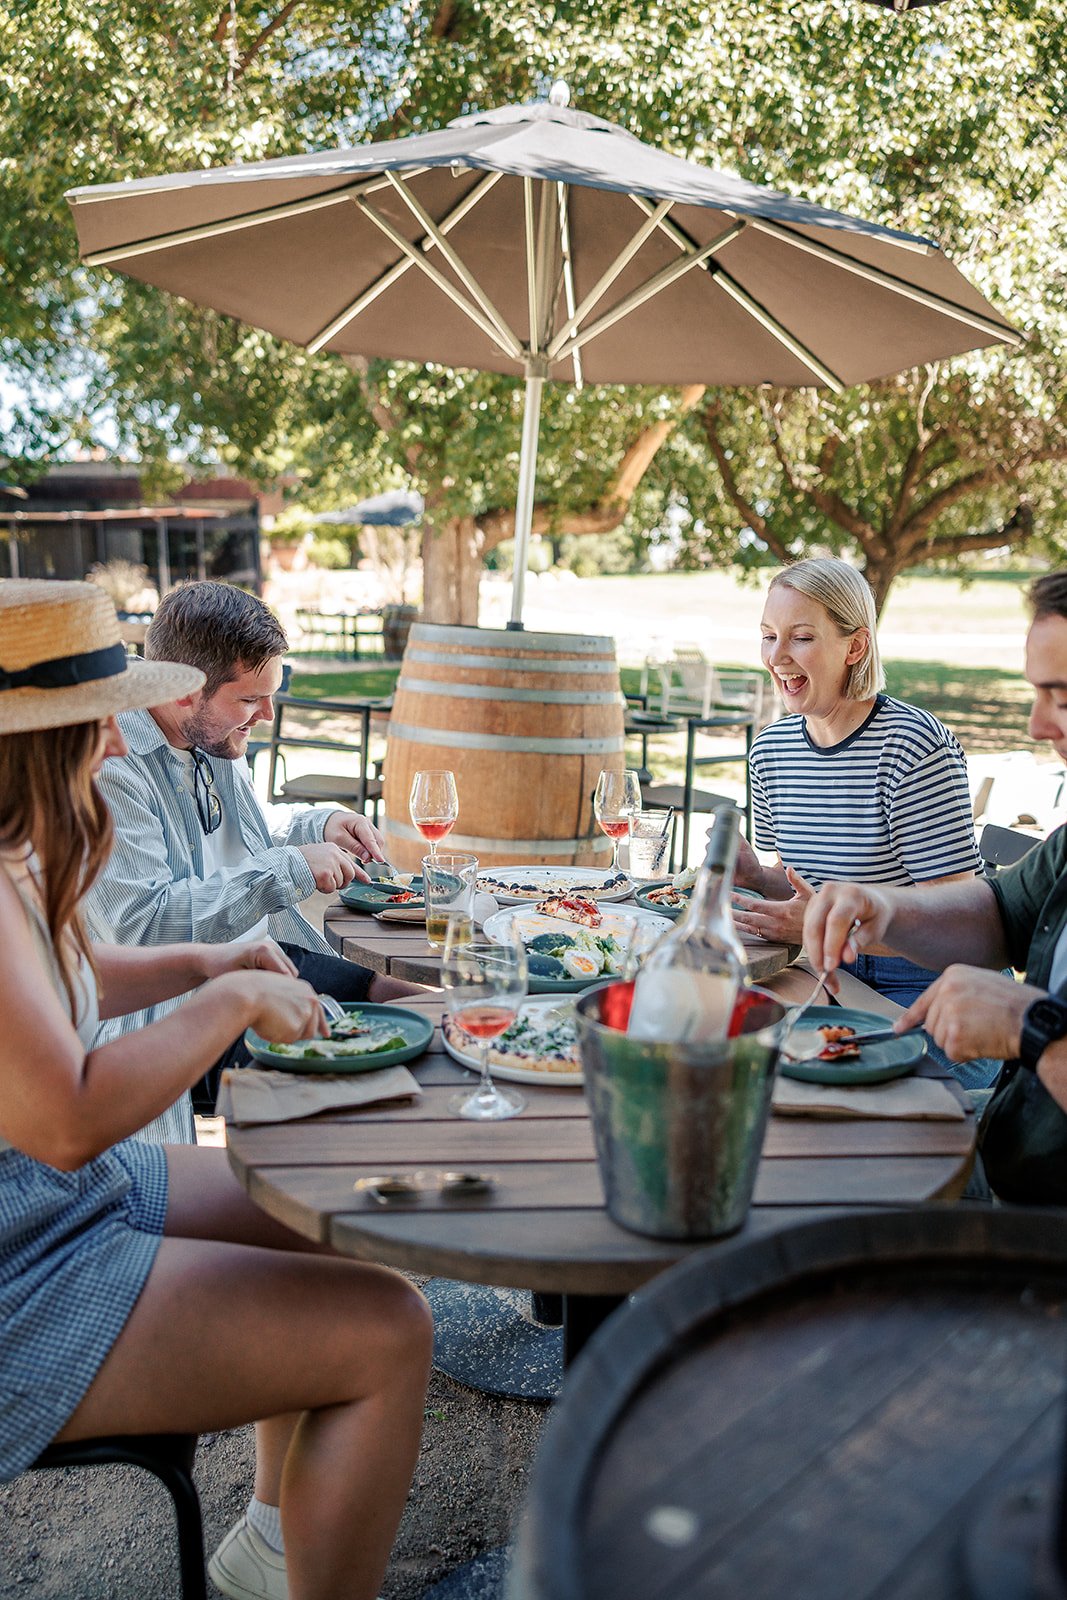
{"x": 392, "y": 509}
{"x": 540, "y": 241}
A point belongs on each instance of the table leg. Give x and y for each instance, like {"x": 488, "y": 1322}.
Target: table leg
{"x": 582, "y": 1316}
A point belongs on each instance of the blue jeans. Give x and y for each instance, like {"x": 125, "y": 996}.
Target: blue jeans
{"x": 904, "y": 981}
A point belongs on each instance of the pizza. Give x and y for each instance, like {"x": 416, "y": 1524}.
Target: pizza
{"x": 837, "y": 1044}
{"x": 541, "y": 1039}
{"x": 559, "y": 885}
{"x": 571, "y": 908}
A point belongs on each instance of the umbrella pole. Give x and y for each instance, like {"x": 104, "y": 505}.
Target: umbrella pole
{"x": 531, "y": 428}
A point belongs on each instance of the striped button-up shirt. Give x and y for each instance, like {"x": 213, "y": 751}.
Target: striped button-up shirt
{"x": 153, "y": 889}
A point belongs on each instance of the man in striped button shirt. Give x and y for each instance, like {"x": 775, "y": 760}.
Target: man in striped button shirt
{"x": 195, "y": 856}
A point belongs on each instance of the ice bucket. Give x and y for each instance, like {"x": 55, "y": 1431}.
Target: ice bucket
{"x": 678, "y": 1127}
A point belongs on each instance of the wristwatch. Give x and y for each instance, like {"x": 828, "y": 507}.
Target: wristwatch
{"x": 1044, "y": 1021}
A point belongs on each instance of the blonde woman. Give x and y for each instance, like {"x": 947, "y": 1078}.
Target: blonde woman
{"x": 140, "y": 1291}
{"x": 850, "y": 783}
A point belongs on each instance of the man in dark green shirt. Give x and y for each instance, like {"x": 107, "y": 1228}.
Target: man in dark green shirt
{"x": 970, "y": 931}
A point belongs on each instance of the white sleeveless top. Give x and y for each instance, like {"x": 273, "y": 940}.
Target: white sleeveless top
{"x": 87, "y": 1007}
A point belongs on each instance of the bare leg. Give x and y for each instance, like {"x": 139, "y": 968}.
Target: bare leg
{"x": 221, "y": 1336}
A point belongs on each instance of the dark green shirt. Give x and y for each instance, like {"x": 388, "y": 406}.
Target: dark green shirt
{"x": 1032, "y": 899}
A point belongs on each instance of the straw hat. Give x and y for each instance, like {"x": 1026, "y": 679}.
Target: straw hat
{"x": 62, "y": 660}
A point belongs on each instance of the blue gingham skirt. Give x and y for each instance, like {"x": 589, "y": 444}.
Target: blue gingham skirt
{"x": 76, "y": 1249}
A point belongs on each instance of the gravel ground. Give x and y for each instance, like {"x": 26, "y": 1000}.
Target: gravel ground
{"x": 107, "y": 1534}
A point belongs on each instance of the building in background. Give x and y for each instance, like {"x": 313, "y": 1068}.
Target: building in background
{"x": 91, "y": 511}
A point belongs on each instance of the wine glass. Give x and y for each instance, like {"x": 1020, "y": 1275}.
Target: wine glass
{"x": 616, "y": 801}
{"x": 434, "y": 805}
{"x": 484, "y": 984}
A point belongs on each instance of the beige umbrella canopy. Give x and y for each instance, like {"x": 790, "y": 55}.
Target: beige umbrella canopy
{"x": 542, "y": 242}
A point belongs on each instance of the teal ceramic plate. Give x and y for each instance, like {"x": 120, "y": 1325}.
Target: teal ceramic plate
{"x": 564, "y": 985}
{"x": 674, "y": 912}
{"x": 359, "y": 896}
{"x": 417, "y": 1031}
{"x": 876, "y": 1063}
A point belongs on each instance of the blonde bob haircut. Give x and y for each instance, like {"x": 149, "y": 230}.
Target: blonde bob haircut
{"x": 847, "y": 598}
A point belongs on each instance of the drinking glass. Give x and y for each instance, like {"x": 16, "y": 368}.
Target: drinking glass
{"x": 650, "y": 843}
{"x": 448, "y": 886}
{"x": 616, "y": 801}
{"x": 484, "y": 984}
{"x": 434, "y": 805}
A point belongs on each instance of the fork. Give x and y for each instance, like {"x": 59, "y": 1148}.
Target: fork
{"x": 791, "y": 1018}
{"x": 333, "y": 1008}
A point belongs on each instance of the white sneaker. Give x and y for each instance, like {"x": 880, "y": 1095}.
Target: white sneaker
{"x": 245, "y": 1567}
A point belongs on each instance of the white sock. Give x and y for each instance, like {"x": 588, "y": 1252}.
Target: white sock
{"x": 267, "y": 1521}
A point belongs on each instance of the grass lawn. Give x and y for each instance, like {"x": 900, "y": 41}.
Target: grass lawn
{"x": 986, "y": 707}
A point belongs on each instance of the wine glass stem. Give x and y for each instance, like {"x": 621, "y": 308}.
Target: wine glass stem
{"x": 486, "y": 1085}
{"x": 433, "y": 847}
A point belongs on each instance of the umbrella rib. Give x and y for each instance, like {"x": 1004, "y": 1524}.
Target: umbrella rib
{"x": 213, "y": 230}
{"x": 398, "y": 269}
{"x": 512, "y": 348}
{"x": 563, "y": 202}
{"x": 607, "y": 278}
{"x": 531, "y": 259}
{"x": 463, "y": 273}
{"x": 887, "y": 280}
{"x": 778, "y": 331}
{"x": 652, "y": 286}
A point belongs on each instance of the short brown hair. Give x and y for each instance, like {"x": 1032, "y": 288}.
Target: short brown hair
{"x": 1047, "y": 596}
{"x": 214, "y": 626}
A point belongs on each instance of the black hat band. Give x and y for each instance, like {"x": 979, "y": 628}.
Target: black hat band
{"x": 66, "y": 672}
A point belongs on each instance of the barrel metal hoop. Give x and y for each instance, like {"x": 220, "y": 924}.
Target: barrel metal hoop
{"x": 419, "y": 655}
{"x": 460, "y": 739}
{"x": 488, "y": 691}
{"x": 576, "y": 643}
{"x": 471, "y": 841}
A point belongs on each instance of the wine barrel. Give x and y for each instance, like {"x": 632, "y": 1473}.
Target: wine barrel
{"x": 866, "y": 1404}
{"x": 526, "y": 721}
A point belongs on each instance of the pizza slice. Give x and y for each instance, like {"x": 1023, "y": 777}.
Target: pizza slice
{"x": 572, "y": 908}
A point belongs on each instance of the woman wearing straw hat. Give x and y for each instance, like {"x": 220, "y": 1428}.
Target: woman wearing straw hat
{"x": 122, "y": 1262}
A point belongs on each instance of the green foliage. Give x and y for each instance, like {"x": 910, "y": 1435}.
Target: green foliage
{"x": 331, "y": 554}
{"x": 947, "y": 122}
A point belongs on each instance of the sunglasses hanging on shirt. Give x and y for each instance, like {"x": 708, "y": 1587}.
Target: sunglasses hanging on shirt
{"x": 208, "y": 804}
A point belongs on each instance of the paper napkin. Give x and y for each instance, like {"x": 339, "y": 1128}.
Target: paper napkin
{"x": 259, "y": 1094}
{"x": 911, "y": 1098}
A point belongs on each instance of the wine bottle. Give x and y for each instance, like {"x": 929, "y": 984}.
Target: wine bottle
{"x": 687, "y": 987}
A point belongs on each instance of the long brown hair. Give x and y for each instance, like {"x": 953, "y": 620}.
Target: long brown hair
{"x": 50, "y": 804}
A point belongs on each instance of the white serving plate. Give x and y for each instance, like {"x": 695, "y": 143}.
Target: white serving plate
{"x": 468, "y": 1056}
{"x": 617, "y": 920}
{"x": 553, "y": 880}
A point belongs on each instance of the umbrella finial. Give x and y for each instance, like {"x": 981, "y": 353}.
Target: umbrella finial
{"x": 559, "y": 94}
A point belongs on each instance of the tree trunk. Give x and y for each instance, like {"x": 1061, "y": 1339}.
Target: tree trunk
{"x": 880, "y": 575}
{"x": 451, "y": 570}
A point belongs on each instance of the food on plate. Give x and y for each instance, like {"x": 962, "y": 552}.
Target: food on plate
{"x": 667, "y": 895}
{"x": 545, "y": 966}
{"x": 579, "y": 964}
{"x": 400, "y": 880}
{"x": 549, "y": 943}
{"x": 603, "y": 951}
{"x": 572, "y": 908}
{"x": 556, "y": 884}
{"x": 837, "y": 1043}
{"x": 539, "y": 1040}
{"x": 350, "y": 1035}
{"x": 685, "y": 879}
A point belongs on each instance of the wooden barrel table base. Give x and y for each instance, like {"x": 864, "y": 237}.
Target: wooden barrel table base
{"x": 868, "y": 1405}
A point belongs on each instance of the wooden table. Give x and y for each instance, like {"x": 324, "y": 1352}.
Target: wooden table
{"x": 544, "y": 1226}
{"x": 400, "y": 950}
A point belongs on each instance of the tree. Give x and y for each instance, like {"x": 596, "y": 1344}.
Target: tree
{"x": 960, "y": 115}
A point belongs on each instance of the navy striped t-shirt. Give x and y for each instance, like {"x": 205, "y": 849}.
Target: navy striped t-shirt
{"x": 889, "y": 804}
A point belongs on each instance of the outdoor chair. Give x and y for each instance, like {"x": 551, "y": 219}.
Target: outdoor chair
{"x": 1003, "y": 847}
{"x": 169, "y": 1456}
{"x": 342, "y": 727}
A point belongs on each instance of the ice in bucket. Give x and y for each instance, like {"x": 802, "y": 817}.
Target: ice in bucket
{"x": 678, "y": 1125}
